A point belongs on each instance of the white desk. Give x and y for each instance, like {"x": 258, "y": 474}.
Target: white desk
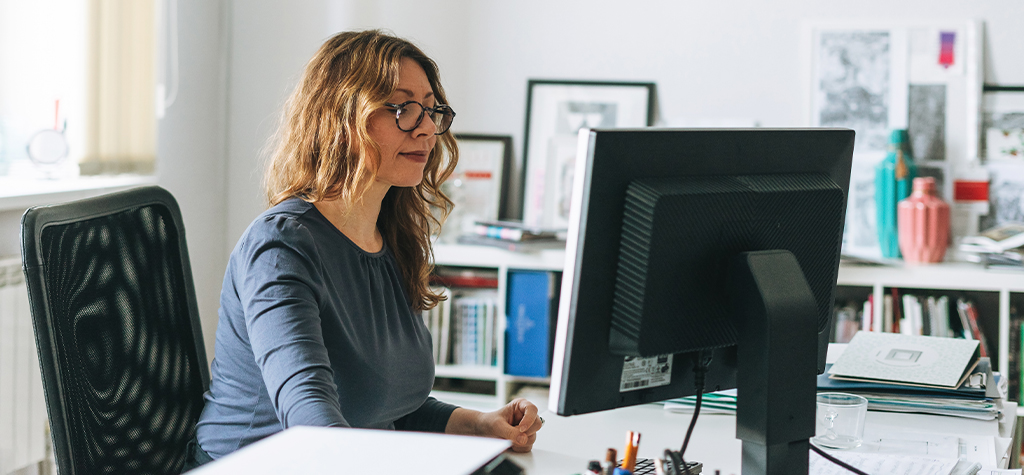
{"x": 566, "y": 444}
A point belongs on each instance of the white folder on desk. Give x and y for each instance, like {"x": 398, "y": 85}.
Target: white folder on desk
{"x": 304, "y": 450}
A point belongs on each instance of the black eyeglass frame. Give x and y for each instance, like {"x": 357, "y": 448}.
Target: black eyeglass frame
{"x": 439, "y": 108}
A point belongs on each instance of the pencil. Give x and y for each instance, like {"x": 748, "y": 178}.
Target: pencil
{"x": 629, "y": 452}
{"x": 632, "y": 445}
{"x": 636, "y": 449}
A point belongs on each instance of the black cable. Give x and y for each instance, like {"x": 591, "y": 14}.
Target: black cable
{"x": 693, "y": 422}
{"x": 700, "y": 368}
{"x": 673, "y": 461}
{"x": 835, "y": 460}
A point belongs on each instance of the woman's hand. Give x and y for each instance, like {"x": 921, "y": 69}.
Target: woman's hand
{"x": 518, "y": 422}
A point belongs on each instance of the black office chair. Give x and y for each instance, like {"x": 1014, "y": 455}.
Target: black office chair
{"x": 117, "y": 330}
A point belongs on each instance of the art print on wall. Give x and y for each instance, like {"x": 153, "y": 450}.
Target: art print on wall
{"x": 1003, "y": 125}
{"x": 479, "y": 185}
{"x": 874, "y": 76}
{"x": 1006, "y": 193}
{"x": 852, "y": 79}
{"x": 556, "y": 112}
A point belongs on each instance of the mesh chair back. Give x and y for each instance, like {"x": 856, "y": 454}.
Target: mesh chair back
{"x": 117, "y": 330}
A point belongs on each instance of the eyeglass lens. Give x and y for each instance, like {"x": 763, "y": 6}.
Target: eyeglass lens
{"x": 410, "y": 115}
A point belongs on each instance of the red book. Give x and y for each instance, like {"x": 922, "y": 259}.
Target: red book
{"x": 972, "y": 319}
{"x": 896, "y": 310}
{"x": 472, "y": 281}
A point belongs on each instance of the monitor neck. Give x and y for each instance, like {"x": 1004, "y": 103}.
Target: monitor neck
{"x": 776, "y": 319}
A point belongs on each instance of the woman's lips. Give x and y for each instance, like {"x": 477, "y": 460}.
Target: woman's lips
{"x": 419, "y": 157}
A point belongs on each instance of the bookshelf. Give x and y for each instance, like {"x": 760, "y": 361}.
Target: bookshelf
{"x": 994, "y": 291}
{"x": 502, "y": 261}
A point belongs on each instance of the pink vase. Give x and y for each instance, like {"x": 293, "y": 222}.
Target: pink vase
{"x": 923, "y": 223}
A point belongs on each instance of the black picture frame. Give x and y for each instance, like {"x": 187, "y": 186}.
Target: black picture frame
{"x": 555, "y": 111}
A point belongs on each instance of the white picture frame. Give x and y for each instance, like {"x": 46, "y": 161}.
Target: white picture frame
{"x": 479, "y": 186}
{"x": 555, "y": 113}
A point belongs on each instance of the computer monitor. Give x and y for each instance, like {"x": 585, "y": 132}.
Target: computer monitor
{"x": 721, "y": 242}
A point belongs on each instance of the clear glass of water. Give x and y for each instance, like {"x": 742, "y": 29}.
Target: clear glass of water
{"x": 839, "y": 422}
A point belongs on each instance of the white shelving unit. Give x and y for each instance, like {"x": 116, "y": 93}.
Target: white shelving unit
{"x": 954, "y": 276}
{"x": 457, "y": 255}
{"x": 942, "y": 276}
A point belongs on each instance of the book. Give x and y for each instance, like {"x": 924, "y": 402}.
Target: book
{"x": 897, "y": 315}
{"x": 532, "y": 311}
{"x": 997, "y": 239}
{"x": 514, "y": 246}
{"x": 887, "y": 325}
{"x": 465, "y": 277}
{"x": 515, "y": 231}
{"x": 907, "y": 359}
{"x": 444, "y": 344}
{"x": 979, "y": 385}
{"x": 720, "y": 402}
{"x": 970, "y": 314}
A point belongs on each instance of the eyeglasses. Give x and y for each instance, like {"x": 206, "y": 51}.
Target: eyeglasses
{"x": 409, "y": 114}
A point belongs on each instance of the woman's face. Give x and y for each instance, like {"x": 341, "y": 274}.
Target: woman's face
{"x": 403, "y": 155}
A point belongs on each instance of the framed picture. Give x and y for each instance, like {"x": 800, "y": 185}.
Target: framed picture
{"x": 1003, "y": 123}
{"x": 555, "y": 113}
{"x": 479, "y": 186}
{"x": 874, "y": 76}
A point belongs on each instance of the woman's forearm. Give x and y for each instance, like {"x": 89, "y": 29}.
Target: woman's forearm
{"x": 463, "y": 422}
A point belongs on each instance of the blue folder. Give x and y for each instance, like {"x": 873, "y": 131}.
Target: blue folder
{"x": 964, "y": 391}
{"x": 530, "y": 325}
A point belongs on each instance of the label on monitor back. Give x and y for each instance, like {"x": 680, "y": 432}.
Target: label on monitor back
{"x": 642, "y": 373}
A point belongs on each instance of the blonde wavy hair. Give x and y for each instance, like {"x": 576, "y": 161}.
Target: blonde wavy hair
{"x": 323, "y": 149}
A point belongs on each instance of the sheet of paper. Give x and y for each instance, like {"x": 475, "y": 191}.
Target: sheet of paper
{"x": 981, "y": 449}
{"x": 1003, "y": 451}
{"x": 922, "y": 444}
{"x": 1005, "y": 471}
{"x": 879, "y": 464}
{"x": 330, "y": 450}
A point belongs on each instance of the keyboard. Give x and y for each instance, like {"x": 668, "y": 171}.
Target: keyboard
{"x": 646, "y": 467}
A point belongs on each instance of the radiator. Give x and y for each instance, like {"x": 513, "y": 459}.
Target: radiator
{"x": 24, "y": 434}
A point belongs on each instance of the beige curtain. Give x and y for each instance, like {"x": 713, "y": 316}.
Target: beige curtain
{"x": 121, "y": 109}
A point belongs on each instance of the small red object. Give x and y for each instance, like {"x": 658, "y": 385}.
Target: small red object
{"x": 965, "y": 190}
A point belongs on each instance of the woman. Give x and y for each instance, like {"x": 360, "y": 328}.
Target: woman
{"x": 319, "y": 319}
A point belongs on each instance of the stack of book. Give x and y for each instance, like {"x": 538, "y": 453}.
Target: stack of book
{"x": 464, "y": 326}
{"x": 905, "y": 373}
{"x": 514, "y": 236}
{"x": 911, "y": 314}
{"x": 474, "y": 339}
{"x": 999, "y": 247}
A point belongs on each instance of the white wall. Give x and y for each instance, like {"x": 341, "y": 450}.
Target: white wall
{"x": 712, "y": 61}
{"x": 271, "y": 43}
{"x": 192, "y": 148}
{"x": 191, "y": 153}
{"x": 732, "y": 59}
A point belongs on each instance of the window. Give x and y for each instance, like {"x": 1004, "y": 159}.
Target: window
{"x": 87, "y": 70}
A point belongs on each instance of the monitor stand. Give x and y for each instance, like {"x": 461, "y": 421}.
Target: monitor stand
{"x": 777, "y": 349}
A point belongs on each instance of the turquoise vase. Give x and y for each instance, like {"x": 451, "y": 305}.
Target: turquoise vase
{"x": 894, "y": 177}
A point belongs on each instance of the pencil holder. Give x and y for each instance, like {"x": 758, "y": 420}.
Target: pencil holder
{"x": 923, "y": 224}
